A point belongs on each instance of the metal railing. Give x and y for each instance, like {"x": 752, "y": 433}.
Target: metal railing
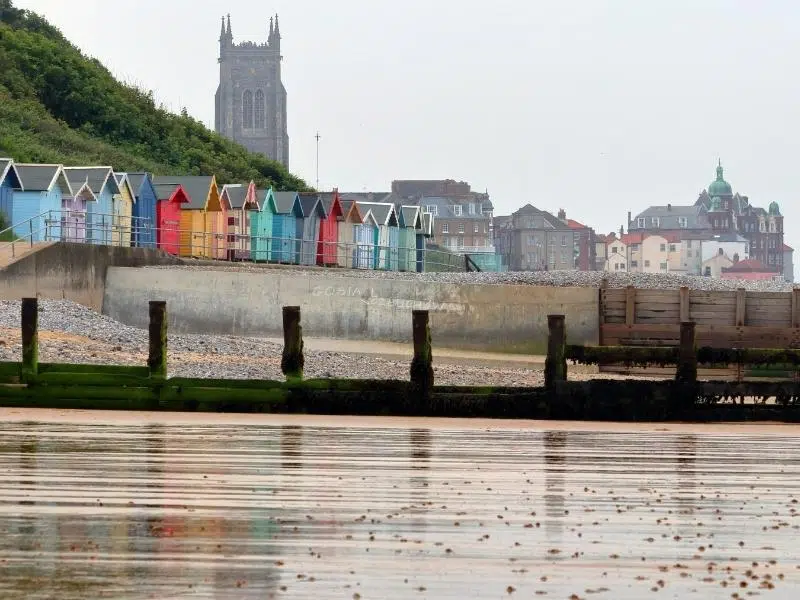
{"x": 227, "y": 243}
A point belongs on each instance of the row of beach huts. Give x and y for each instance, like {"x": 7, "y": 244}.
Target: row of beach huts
{"x": 195, "y": 216}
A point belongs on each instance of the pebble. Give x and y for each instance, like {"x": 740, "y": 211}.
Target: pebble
{"x": 86, "y": 337}
{"x": 538, "y": 278}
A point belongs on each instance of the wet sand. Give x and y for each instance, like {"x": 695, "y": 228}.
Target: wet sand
{"x": 154, "y": 505}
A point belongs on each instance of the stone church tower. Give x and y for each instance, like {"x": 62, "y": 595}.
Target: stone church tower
{"x": 251, "y": 100}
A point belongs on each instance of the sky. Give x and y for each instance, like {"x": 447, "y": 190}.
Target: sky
{"x": 598, "y": 107}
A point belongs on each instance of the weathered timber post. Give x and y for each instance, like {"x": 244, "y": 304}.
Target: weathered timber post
{"x": 422, "y": 363}
{"x": 741, "y": 307}
{"x": 684, "y": 304}
{"x": 30, "y": 336}
{"x": 687, "y": 354}
{"x": 292, "y": 360}
{"x": 630, "y": 305}
{"x": 555, "y": 365}
{"x": 157, "y": 351}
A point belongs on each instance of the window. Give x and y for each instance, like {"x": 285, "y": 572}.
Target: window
{"x": 663, "y": 247}
{"x": 461, "y": 228}
{"x": 655, "y": 222}
{"x": 672, "y": 247}
{"x": 260, "y": 119}
{"x": 683, "y": 222}
{"x": 445, "y": 228}
{"x": 563, "y": 240}
{"x": 613, "y": 249}
{"x": 460, "y": 242}
{"x": 231, "y": 221}
{"x": 640, "y": 222}
{"x": 634, "y": 247}
{"x": 247, "y": 109}
{"x": 231, "y": 239}
{"x": 476, "y": 228}
{"x": 688, "y": 254}
{"x": 688, "y": 243}
{"x": 634, "y": 264}
{"x": 472, "y": 208}
{"x": 647, "y": 263}
{"x": 772, "y": 226}
{"x": 445, "y": 241}
{"x": 663, "y": 266}
{"x": 457, "y": 210}
{"x": 432, "y": 209}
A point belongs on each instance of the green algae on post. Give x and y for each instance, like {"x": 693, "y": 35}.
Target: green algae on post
{"x": 30, "y": 336}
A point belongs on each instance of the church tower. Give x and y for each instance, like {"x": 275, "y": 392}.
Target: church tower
{"x": 251, "y": 101}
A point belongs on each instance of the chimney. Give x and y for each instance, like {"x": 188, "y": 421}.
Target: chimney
{"x": 621, "y": 231}
{"x": 629, "y": 220}
{"x": 562, "y": 214}
{"x": 669, "y": 207}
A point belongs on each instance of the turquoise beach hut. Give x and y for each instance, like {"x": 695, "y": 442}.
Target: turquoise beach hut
{"x": 285, "y": 222}
{"x": 261, "y": 223}
{"x": 410, "y": 219}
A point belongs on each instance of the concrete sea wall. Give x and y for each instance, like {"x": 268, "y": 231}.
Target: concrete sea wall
{"x": 72, "y": 271}
{"x": 505, "y": 318}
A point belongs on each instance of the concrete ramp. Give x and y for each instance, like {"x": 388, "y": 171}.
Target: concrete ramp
{"x": 11, "y": 252}
{"x": 60, "y": 270}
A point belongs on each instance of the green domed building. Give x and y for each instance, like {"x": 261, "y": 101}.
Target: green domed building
{"x": 720, "y": 188}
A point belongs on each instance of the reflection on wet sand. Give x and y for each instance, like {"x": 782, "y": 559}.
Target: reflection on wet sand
{"x": 392, "y": 510}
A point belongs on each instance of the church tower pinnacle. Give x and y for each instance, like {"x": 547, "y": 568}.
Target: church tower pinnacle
{"x": 251, "y": 98}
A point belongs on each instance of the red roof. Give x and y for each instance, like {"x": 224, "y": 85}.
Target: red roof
{"x": 573, "y": 224}
{"x": 750, "y": 265}
{"x": 632, "y": 238}
{"x": 787, "y": 248}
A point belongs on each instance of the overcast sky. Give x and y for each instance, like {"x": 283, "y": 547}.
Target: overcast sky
{"x": 597, "y": 107}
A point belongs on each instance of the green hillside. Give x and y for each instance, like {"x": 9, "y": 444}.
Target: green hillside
{"x": 58, "y": 106}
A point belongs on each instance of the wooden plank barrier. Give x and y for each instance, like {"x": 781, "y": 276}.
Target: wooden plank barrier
{"x": 723, "y": 319}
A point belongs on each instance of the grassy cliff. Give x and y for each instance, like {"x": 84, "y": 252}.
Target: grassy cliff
{"x": 58, "y": 106}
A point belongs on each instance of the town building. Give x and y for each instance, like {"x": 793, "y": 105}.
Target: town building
{"x": 534, "y": 240}
{"x": 250, "y": 103}
{"x": 751, "y": 269}
{"x": 462, "y": 217}
{"x": 788, "y": 263}
{"x": 720, "y": 217}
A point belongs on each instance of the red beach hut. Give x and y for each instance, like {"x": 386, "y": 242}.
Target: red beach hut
{"x": 168, "y": 216}
{"x": 327, "y": 252}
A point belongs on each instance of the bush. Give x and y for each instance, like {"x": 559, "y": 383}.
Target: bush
{"x": 57, "y": 105}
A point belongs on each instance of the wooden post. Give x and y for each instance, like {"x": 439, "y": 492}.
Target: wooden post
{"x": 741, "y": 305}
{"x": 422, "y": 363}
{"x": 601, "y": 304}
{"x": 292, "y": 360}
{"x": 684, "y": 304}
{"x": 630, "y": 305}
{"x": 555, "y": 365}
{"x": 796, "y": 307}
{"x": 157, "y": 351}
{"x": 30, "y": 336}
{"x": 687, "y": 354}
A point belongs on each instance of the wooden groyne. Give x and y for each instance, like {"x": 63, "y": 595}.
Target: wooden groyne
{"x": 30, "y": 383}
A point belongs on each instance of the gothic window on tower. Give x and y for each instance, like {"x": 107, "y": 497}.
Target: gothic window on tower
{"x": 247, "y": 110}
{"x": 259, "y": 110}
